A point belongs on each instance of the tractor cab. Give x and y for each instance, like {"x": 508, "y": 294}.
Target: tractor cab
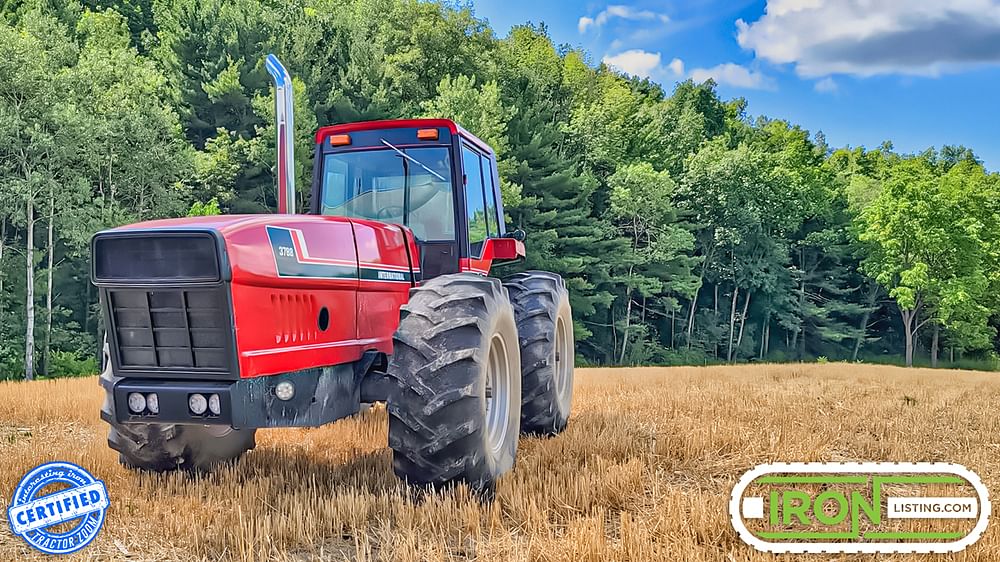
{"x": 427, "y": 174}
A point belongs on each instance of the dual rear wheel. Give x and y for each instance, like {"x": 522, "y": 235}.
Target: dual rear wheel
{"x": 475, "y": 363}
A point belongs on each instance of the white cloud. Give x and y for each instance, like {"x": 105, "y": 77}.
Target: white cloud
{"x": 731, "y": 74}
{"x": 826, "y": 85}
{"x": 677, "y": 67}
{"x": 635, "y": 61}
{"x": 645, "y": 64}
{"x": 868, "y": 37}
{"x": 618, "y": 11}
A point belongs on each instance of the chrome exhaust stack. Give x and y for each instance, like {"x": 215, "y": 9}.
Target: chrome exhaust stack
{"x": 285, "y": 133}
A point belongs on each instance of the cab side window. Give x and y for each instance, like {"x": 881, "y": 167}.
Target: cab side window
{"x": 475, "y": 201}
{"x": 489, "y": 177}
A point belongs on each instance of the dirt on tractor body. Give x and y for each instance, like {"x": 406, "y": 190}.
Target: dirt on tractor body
{"x": 643, "y": 472}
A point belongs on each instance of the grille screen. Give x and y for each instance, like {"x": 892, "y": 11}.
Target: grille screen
{"x": 190, "y": 257}
{"x": 185, "y": 329}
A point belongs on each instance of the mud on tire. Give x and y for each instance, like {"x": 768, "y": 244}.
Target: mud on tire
{"x": 165, "y": 447}
{"x": 545, "y": 328}
{"x": 454, "y": 410}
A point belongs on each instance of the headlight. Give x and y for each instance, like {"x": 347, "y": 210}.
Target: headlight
{"x": 136, "y": 402}
{"x": 198, "y": 404}
{"x": 214, "y": 404}
{"x": 153, "y": 403}
{"x": 284, "y": 390}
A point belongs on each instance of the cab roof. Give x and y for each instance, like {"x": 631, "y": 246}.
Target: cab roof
{"x": 452, "y": 126}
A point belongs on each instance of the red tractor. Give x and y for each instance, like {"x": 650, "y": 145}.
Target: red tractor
{"x": 218, "y": 326}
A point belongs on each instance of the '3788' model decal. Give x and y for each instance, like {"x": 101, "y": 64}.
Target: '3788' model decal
{"x": 292, "y": 259}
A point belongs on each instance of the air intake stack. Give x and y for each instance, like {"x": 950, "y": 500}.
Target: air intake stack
{"x": 285, "y": 133}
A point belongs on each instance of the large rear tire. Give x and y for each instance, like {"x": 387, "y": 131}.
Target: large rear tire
{"x": 545, "y": 327}
{"x": 454, "y": 411}
{"x": 166, "y": 447}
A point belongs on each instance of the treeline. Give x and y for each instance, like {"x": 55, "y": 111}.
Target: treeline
{"x": 689, "y": 231}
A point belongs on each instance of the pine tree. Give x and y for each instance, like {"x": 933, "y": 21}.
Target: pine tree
{"x": 563, "y": 236}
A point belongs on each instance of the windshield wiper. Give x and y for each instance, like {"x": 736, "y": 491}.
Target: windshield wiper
{"x": 414, "y": 160}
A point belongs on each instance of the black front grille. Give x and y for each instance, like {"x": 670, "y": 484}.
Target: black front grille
{"x": 186, "y": 330}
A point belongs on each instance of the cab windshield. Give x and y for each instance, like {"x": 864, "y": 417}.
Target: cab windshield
{"x": 384, "y": 185}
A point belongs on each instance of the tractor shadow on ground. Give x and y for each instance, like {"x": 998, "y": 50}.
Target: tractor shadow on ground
{"x": 296, "y": 472}
{"x": 369, "y": 473}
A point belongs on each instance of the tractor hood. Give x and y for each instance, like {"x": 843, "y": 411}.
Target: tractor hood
{"x": 301, "y": 250}
{"x": 253, "y": 294}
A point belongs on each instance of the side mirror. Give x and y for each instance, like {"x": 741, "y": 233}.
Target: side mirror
{"x": 504, "y": 249}
{"x": 516, "y": 234}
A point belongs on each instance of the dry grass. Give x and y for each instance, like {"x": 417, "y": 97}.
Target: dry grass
{"x": 643, "y": 472}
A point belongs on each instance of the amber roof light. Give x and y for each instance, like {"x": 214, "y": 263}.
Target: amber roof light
{"x": 340, "y": 140}
{"x": 427, "y": 134}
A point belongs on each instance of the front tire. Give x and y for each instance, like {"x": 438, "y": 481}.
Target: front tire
{"x": 454, "y": 412}
{"x": 545, "y": 326}
{"x": 167, "y": 447}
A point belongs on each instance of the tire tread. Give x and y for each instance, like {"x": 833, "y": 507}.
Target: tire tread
{"x": 434, "y": 409}
{"x": 536, "y": 296}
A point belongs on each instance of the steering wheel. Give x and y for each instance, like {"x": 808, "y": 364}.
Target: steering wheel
{"x": 420, "y": 195}
{"x": 389, "y": 212}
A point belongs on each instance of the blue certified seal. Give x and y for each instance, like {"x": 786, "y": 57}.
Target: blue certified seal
{"x": 80, "y": 504}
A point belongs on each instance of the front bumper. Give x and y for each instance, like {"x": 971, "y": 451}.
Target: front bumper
{"x": 321, "y": 396}
{"x": 172, "y": 397}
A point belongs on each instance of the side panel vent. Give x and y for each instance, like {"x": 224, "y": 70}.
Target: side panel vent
{"x": 296, "y": 318}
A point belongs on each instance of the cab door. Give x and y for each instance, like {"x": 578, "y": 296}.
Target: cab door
{"x": 482, "y": 210}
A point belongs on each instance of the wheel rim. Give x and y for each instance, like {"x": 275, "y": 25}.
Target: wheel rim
{"x": 497, "y": 394}
{"x": 563, "y": 361}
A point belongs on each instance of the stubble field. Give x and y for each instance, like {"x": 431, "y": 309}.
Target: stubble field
{"x": 643, "y": 472}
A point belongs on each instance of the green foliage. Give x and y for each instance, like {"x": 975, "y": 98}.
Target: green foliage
{"x": 688, "y": 232}
{"x": 68, "y": 364}
{"x": 929, "y": 236}
{"x": 88, "y": 139}
{"x": 199, "y": 209}
{"x": 211, "y": 52}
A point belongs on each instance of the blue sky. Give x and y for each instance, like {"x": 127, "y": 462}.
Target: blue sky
{"x": 919, "y": 73}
